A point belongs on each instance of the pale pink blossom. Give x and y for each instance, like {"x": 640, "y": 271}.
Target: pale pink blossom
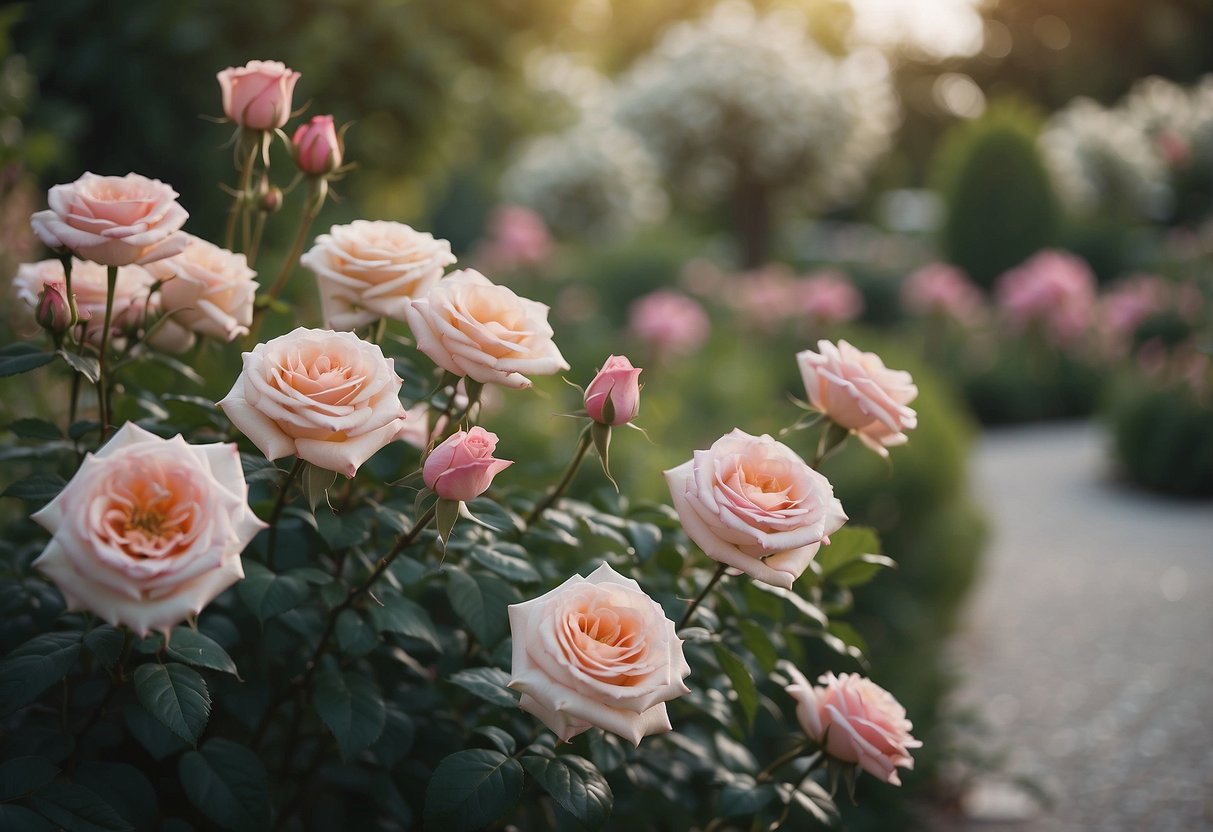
{"x": 943, "y": 290}
{"x": 669, "y": 322}
{"x": 463, "y": 466}
{"x": 517, "y": 238}
{"x": 827, "y": 297}
{"x": 613, "y": 397}
{"x": 1053, "y": 290}
{"x": 257, "y": 96}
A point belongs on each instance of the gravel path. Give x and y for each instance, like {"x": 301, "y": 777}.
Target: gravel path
{"x": 1089, "y": 645}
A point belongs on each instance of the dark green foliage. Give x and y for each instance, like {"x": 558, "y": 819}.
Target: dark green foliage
{"x": 1164, "y": 438}
{"x": 999, "y": 202}
{"x": 1031, "y": 382}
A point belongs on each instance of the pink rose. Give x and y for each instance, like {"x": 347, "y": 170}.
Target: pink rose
{"x": 944, "y": 290}
{"x": 669, "y": 322}
{"x": 828, "y": 297}
{"x": 617, "y": 383}
{"x": 859, "y": 721}
{"x": 764, "y": 297}
{"x": 257, "y": 96}
{"x": 329, "y": 398}
{"x": 1053, "y": 290}
{"x": 113, "y": 220}
{"x": 463, "y": 467}
{"x": 473, "y": 328}
{"x": 53, "y": 313}
{"x": 370, "y": 270}
{"x": 752, "y": 504}
{"x": 149, "y": 530}
{"x": 518, "y": 237}
{"x": 316, "y": 147}
{"x": 857, "y": 391}
{"x": 208, "y": 290}
{"x": 133, "y": 298}
{"x": 1131, "y": 301}
{"x": 598, "y": 652}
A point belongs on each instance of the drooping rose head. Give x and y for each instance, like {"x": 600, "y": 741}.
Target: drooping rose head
{"x": 1053, "y": 290}
{"x": 858, "y": 392}
{"x": 208, "y": 290}
{"x": 613, "y": 397}
{"x": 257, "y": 96}
{"x": 463, "y": 467}
{"x": 828, "y": 297}
{"x": 752, "y": 504}
{"x": 370, "y": 270}
{"x": 860, "y": 721}
{"x": 149, "y": 530}
{"x": 597, "y": 652}
{"x": 941, "y": 289}
{"x": 113, "y": 220}
{"x": 316, "y": 148}
{"x": 669, "y": 322}
{"x": 473, "y": 328}
{"x": 329, "y": 398}
{"x": 133, "y": 298}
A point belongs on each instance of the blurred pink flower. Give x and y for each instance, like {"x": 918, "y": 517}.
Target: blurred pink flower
{"x": 763, "y": 297}
{"x": 669, "y": 322}
{"x": 827, "y": 297}
{"x": 1054, "y": 290}
{"x": 1129, "y": 302}
{"x": 517, "y": 237}
{"x": 941, "y": 289}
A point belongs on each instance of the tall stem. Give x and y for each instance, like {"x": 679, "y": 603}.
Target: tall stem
{"x": 279, "y": 504}
{"x": 317, "y": 190}
{"x": 583, "y": 448}
{"x": 686, "y": 617}
{"x": 240, "y": 200}
{"x": 102, "y": 367}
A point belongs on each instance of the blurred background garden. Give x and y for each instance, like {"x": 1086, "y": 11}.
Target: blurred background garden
{"x": 1013, "y": 200}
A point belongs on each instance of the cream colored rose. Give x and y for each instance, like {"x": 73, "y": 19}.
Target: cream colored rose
{"x": 473, "y": 328}
{"x": 133, "y": 298}
{"x": 207, "y": 290}
{"x": 856, "y": 390}
{"x": 752, "y": 504}
{"x": 329, "y": 398}
{"x": 149, "y": 530}
{"x": 597, "y": 652}
{"x": 371, "y": 270}
{"x": 113, "y": 220}
{"x": 859, "y": 721}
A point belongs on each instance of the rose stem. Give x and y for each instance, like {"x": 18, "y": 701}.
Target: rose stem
{"x": 699, "y": 598}
{"x": 832, "y": 439}
{"x": 785, "y": 758}
{"x": 240, "y": 200}
{"x": 279, "y": 504}
{"x": 583, "y": 447}
{"x": 317, "y": 191}
{"x": 255, "y": 246}
{"x": 102, "y": 370}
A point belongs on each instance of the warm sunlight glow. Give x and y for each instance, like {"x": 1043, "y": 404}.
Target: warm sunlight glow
{"x": 937, "y": 27}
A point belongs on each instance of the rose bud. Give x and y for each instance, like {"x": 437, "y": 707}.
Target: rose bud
{"x": 257, "y": 96}
{"x": 316, "y": 148}
{"x": 54, "y": 313}
{"x": 462, "y": 468}
{"x": 613, "y": 397}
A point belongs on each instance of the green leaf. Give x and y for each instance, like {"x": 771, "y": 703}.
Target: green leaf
{"x": 494, "y": 515}
{"x": 85, "y": 365}
{"x": 351, "y": 707}
{"x": 397, "y": 614}
{"x": 227, "y": 783}
{"x": 499, "y": 737}
{"x": 471, "y": 789}
{"x": 21, "y": 358}
{"x": 316, "y": 482}
{"x": 38, "y": 488}
{"x": 35, "y": 666}
{"x": 739, "y": 676}
{"x": 758, "y": 642}
{"x": 489, "y": 683}
{"x": 35, "y": 429}
{"x": 341, "y": 531}
{"x": 396, "y": 741}
{"x": 105, "y": 643}
{"x": 354, "y": 635}
{"x": 849, "y": 636}
{"x": 266, "y": 594}
{"x": 176, "y": 696}
{"x": 22, "y": 775}
{"x": 447, "y": 512}
{"x": 258, "y": 468}
{"x": 575, "y": 784}
{"x": 846, "y": 545}
{"x": 122, "y": 786}
{"x": 157, "y": 740}
{"x": 509, "y": 560}
{"x": 645, "y": 538}
{"x": 860, "y": 570}
{"x": 602, "y": 443}
{"x": 481, "y": 602}
{"x": 81, "y": 428}
{"x": 77, "y": 809}
{"x": 20, "y": 819}
{"x": 192, "y": 647}
{"x": 744, "y": 796}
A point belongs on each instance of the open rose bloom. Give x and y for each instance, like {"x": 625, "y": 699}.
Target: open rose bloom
{"x": 473, "y": 328}
{"x": 113, "y": 220}
{"x": 858, "y": 392}
{"x": 149, "y": 530}
{"x": 133, "y": 298}
{"x": 597, "y": 652}
{"x": 370, "y": 270}
{"x": 208, "y": 291}
{"x": 752, "y": 504}
{"x": 860, "y": 722}
{"x": 329, "y": 398}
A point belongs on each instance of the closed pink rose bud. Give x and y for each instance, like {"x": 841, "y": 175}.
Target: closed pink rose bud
{"x": 463, "y": 467}
{"x": 257, "y": 96}
{"x": 54, "y": 314}
{"x": 316, "y": 147}
{"x": 613, "y": 397}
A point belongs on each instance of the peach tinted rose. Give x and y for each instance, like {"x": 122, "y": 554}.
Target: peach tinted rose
{"x": 329, "y": 398}
{"x": 1054, "y": 291}
{"x": 257, "y": 96}
{"x": 149, "y": 530}
{"x": 113, "y": 220}
{"x": 133, "y": 298}
{"x": 858, "y": 392}
{"x": 208, "y": 290}
{"x": 471, "y": 327}
{"x": 370, "y": 270}
{"x": 463, "y": 467}
{"x": 597, "y": 652}
{"x": 316, "y": 147}
{"x": 613, "y": 397}
{"x": 752, "y": 504}
{"x": 859, "y": 721}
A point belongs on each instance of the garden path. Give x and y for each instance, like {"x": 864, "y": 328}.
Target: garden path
{"x": 1088, "y": 646}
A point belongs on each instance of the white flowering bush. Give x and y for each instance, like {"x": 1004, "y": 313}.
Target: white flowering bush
{"x": 236, "y": 596}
